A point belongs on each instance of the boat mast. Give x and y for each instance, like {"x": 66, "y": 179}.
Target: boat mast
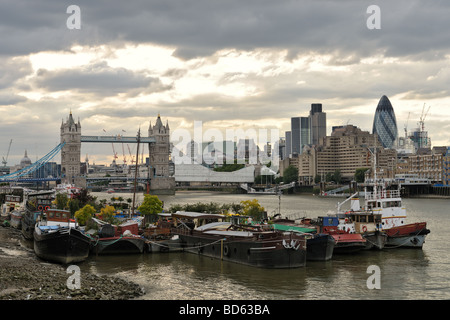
{"x": 375, "y": 184}
{"x": 136, "y": 171}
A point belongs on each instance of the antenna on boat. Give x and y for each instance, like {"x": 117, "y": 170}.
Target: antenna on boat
{"x": 374, "y": 160}
{"x": 136, "y": 171}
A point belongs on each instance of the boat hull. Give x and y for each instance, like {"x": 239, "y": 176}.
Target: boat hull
{"x": 320, "y": 247}
{"x": 375, "y": 240}
{"x": 28, "y": 223}
{"x": 253, "y": 253}
{"x": 63, "y": 246}
{"x": 16, "y": 219}
{"x": 348, "y": 243}
{"x": 407, "y": 236}
{"x": 118, "y": 245}
{"x": 163, "y": 246}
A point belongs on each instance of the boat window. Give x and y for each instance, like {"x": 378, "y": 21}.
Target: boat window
{"x": 370, "y": 219}
{"x": 51, "y": 214}
{"x": 64, "y": 215}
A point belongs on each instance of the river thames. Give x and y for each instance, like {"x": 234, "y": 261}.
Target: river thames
{"x": 405, "y": 274}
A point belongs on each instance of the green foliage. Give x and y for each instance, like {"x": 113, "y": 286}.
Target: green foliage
{"x": 107, "y": 214}
{"x": 337, "y": 177}
{"x": 62, "y": 201}
{"x": 151, "y": 205}
{"x": 84, "y": 214}
{"x": 175, "y": 207}
{"x": 85, "y": 198}
{"x": 359, "y": 174}
{"x": 252, "y": 208}
{"x": 237, "y": 208}
{"x": 211, "y": 207}
{"x": 290, "y": 174}
{"x": 230, "y": 167}
{"x": 74, "y": 206}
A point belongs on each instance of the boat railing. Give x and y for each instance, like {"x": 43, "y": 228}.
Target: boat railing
{"x": 383, "y": 194}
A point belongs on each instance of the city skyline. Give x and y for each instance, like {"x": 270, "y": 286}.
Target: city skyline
{"x": 228, "y": 64}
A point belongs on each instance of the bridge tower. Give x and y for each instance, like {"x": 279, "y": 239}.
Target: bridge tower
{"x": 71, "y": 152}
{"x": 159, "y": 159}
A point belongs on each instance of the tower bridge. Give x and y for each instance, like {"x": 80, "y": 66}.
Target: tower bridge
{"x": 158, "y": 140}
{"x": 117, "y": 139}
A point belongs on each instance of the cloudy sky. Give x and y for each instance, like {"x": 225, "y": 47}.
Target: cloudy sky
{"x": 227, "y": 63}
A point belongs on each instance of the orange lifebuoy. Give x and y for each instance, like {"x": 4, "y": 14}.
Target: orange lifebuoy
{"x": 364, "y": 228}
{"x": 46, "y": 208}
{"x": 40, "y": 208}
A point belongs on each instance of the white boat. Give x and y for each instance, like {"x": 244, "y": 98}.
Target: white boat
{"x": 388, "y": 204}
{"x": 367, "y": 223}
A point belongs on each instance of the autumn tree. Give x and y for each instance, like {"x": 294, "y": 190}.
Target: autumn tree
{"x": 84, "y": 214}
{"x": 252, "y": 208}
{"x": 107, "y": 214}
{"x": 150, "y": 207}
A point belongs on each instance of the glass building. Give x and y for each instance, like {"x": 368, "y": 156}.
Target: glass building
{"x": 384, "y": 123}
{"x": 300, "y": 133}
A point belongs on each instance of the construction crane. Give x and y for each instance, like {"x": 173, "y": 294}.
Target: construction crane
{"x": 5, "y": 160}
{"x": 423, "y": 116}
{"x": 131, "y": 156}
{"x": 406, "y": 125}
{"x": 114, "y": 152}
{"x": 124, "y": 156}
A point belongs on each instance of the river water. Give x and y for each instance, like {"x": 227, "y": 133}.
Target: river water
{"x": 404, "y": 273}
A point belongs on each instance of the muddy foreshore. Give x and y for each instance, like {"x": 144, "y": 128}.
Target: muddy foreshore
{"x": 23, "y": 276}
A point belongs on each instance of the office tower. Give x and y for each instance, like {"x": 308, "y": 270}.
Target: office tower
{"x": 288, "y": 150}
{"x": 318, "y": 121}
{"x": 384, "y": 123}
{"x": 300, "y": 134}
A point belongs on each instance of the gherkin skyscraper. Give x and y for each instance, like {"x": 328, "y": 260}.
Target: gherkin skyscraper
{"x": 384, "y": 123}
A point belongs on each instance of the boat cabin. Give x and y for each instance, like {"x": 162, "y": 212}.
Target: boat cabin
{"x": 360, "y": 222}
{"x": 328, "y": 223}
{"x": 195, "y": 219}
{"x": 11, "y": 204}
{"x": 56, "y": 217}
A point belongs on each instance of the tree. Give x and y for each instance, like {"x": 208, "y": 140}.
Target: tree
{"x": 329, "y": 177}
{"x": 84, "y": 214}
{"x": 74, "y": 206}
{"x": 62, "y": 201}
{"x": 85, "y": 198}
{"x": 337, "y": 176}
{"x": 290, "y": 174}
{"x": 151, "y": 206}
{"x": 252, "y": 208}
{"x": 237, "y": 207}
{"x": 359, "y": 174}
{"x": 108, "y": 214}
{"x": 175, "y": 207}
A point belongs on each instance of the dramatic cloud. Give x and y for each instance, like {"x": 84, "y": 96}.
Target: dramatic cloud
{"x": 227, "y": 63}
{"x": 97, "y": 78}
